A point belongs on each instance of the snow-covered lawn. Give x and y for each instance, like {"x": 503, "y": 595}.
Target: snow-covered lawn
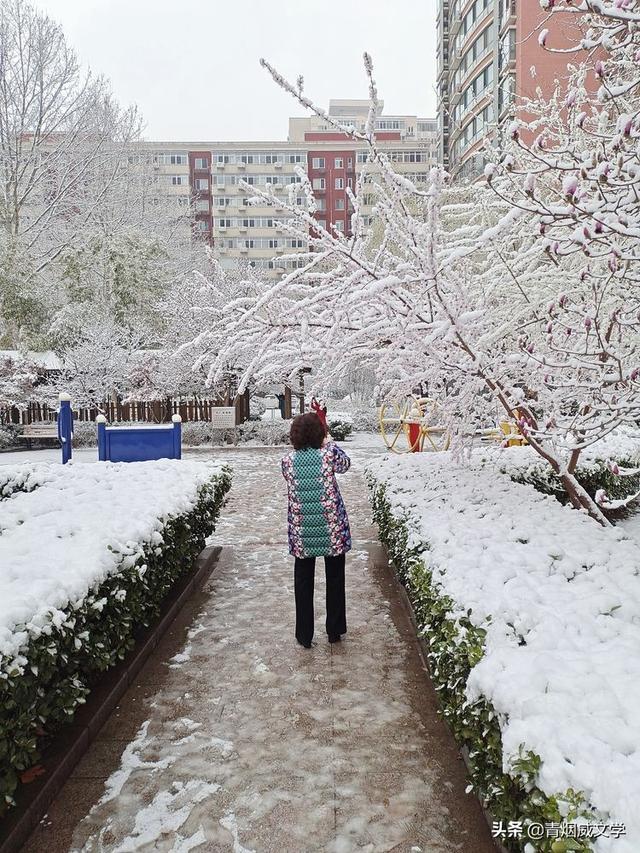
{"x": 559, "y": 598}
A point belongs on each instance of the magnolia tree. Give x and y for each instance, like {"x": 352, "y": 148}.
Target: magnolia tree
{"x": 464, "y": 294}
{"x": 577, "y": 181}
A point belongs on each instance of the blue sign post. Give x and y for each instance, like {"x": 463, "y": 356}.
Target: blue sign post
{"x": 65, "y": 427}
{"x": 139, "y": 444}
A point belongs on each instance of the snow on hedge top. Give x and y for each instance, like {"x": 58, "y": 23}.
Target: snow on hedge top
{"x": 623, "y": 443}
{"x": 67, "y": 536}
{"x": 561, "y": 664}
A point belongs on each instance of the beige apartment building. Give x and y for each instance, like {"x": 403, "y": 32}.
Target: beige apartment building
{"x": 210, "y": 177}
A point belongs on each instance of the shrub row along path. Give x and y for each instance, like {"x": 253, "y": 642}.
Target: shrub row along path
{"x": 237, "y": 739}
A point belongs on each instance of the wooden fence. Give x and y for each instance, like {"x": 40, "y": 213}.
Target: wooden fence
{"x": 157, "y": 411}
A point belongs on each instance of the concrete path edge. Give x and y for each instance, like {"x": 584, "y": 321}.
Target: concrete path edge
{"x": 423, "y": 650}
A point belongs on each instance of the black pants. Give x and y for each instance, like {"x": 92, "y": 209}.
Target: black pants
{"x": 303, "y": 578}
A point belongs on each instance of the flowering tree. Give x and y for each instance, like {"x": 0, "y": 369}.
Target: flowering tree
{"x": 577, "y": 182}
{"x": 475, "y": 303}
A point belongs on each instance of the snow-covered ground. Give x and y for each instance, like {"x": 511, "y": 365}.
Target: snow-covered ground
{"x": 563, "y": 596}
{"x": 80, "y": 525}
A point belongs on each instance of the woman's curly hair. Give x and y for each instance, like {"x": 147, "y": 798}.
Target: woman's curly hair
{"x": 307, "y": 431}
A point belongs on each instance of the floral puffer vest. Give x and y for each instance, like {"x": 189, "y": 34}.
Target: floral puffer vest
{"x": 318, "y": 522}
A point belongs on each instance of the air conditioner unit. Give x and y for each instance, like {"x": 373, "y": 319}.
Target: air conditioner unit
{"x": 277, "y": 165}
{"x": 242, "y": 208}
{"x": 222, "y": 228}
{"x": 243, "y": 229}
{"x": 244, "y": 250}
{"x": 242, "y": 166}
{"x": 278, "y": 186}
{"x": 220, "y": 165}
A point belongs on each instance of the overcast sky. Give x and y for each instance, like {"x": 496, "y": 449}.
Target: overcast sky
{"x": 192, "y": 65}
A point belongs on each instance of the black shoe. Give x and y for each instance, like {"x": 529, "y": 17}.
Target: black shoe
{"x": 306, "y": 645}
{"x": 334, "y": 638}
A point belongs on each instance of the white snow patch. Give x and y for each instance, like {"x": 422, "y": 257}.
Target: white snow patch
{"x": 230, "y": 823}
{"x": 165, "y": 815}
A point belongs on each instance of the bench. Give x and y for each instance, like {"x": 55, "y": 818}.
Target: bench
{"x": 45, "y": 431}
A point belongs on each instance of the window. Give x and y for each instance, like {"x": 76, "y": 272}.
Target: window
{"x": 223, "y": 202}
{"x": 202, "y": 204}
{"x": 317, "y": 163}
{"x": 322, "y": 223}
{"x": 321, "y": 204}
{"x": 339, "y": 183}
{"x": 273, "y": 244}
{"x": 178, "y": 180}
{"x": 201, "y": 163}
{"x": 247, "y": 159}
{"x": 221, "y": 159}
{"x": 224, "y": 223}
{"x": 202, "y": 225}
{"x": 339, "y": 204}
{"x": 319, "y": 184}
{"x": 202, "y": 183}
{"x": 339, "y": 225}
{"x": 350, "y": 183}
{"x": 295, "y": 158}
{"x": 350, "y": 163}
{"x": 338, "y": 163}
{"x": 178, "y": 159}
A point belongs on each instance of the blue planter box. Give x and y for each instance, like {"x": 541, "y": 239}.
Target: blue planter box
{"x": 139, "y": 444}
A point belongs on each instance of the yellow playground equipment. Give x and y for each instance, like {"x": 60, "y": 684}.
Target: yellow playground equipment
{"x": 413, "y": 425}
{"x": 416, "y": 424}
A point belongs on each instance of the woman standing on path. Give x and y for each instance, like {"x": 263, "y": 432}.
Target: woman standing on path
{"x": 318, "y": 523}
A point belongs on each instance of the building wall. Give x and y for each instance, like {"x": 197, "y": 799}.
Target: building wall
{"x": 486, "y": 52}
{"x": 207, "y": 175}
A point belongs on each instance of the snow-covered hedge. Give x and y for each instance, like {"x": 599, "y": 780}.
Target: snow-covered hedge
{"x": 86, "y": 559}
{"x": 530, "y": 610}
{"x": 201, "y": 433}
{"x": 10, "y": 436}
{"x": 340, "y": 425}
{"x": 594, "y": 471}
{"x": 23, "y": 478}
{"x": 363, "y": 418}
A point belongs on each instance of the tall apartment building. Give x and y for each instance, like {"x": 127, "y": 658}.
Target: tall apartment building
{"x": 210, "y": 176}
{"x": 486, "y": 52}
